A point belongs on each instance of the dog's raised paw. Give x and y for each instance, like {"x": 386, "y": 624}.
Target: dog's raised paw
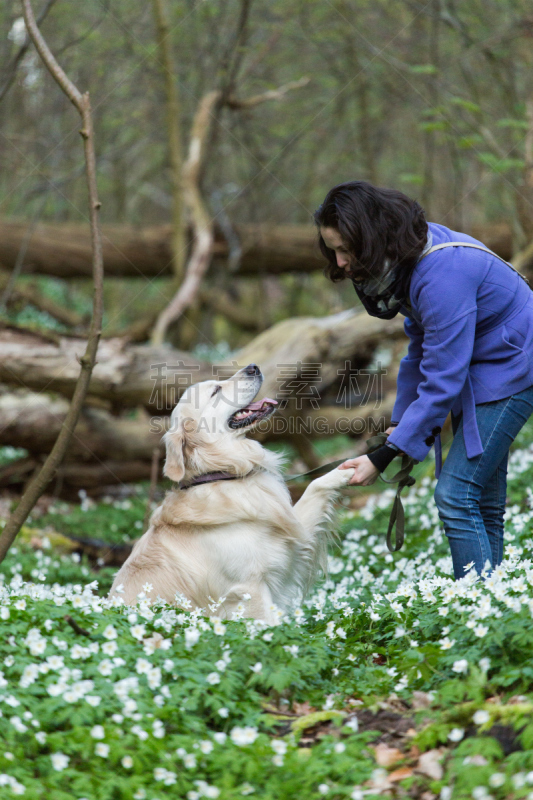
{"x": 335, "y": 479}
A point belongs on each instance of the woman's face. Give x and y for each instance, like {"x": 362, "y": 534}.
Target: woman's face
{"x": 333, "y": 240}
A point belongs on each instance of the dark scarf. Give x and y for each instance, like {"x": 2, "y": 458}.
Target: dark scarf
{"x": 384, "y": 296}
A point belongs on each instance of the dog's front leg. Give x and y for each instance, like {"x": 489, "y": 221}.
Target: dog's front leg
{"x": 313, "y": 510}
{"x": 254, "y": 598}
{"x": 314, "y": 506}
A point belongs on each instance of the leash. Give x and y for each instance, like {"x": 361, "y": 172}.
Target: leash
{"x": 403, "y": 478}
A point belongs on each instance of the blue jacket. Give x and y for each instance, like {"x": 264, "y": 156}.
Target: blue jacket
{"x": 471, "y": 341}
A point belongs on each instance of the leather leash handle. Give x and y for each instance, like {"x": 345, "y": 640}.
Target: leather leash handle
{"x": 402, "y": 478}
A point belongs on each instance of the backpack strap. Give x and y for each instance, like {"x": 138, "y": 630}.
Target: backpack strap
{"x": 477, "y": 247}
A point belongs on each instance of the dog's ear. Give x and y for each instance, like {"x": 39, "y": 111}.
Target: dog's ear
{"x": 174, "y": 463}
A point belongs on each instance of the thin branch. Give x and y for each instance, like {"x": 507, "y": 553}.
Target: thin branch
{"x": 154, "y": 473}
{"x": 173, "y": 121}
{"x": 74, "y": 625}
{"x": 201, "y": 219}
{"x": 30, "y": 293}
{"x": 202, "y": 223}
{"x": 273, "y": 94}
{"x": 82, "y": 103}
{"x": 9, "y": 287}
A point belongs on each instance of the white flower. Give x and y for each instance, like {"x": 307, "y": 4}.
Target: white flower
{"x": 496, "y": 780}
{"x": 93, "y": 699}
{"x": 244, "y": 736}
{"x": 219, "y": 628}
{"x": 191, "y": 637}
{"x": 481, "y": 630}
{"x": 143, "y": 666}
{"x": 102, "y": 749}
{"x": 480, "y": 717}
{"x": 138, "y": 631}
{"x": 445, "y": 643}
{"x": 460, "y": 666}
{"x": 110, "y": 633}
{"x": 98, "y": 732}
{"x": 213, "y": 678}
{"x": 353, "y": 723}
{"x": 55, "y": 662}
{"x": 292, "y": 649}
{"x": 340, "y": 747}
{"x": 223, "y": 712}
{"x": 279, "y": 746}
{"x": 162, "y": 774}
{"x": 220, "y": 737}
{"x": 278, "y": 760}
{"x": 127, "y": 762}
{"x": 105, "y": 667}
{"x": 189, "y": 761}
{"x": 59, "y": 761}
{"x": 323, "y": 788}
{"x": 206, "y": 746}
{"x": 456, "y": 734}
{"x": 257, "y": 667}
{"x": 519, "y": 779}
{"x": 484, "y": 664}
{"x": 109, "y": 648}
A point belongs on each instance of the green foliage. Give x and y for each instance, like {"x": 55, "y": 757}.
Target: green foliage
{"x": 167, "y": 701}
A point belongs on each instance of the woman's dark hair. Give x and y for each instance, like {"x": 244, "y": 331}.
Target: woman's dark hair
{"x": 375, "y": 224}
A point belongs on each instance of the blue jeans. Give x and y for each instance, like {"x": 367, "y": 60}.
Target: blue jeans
{"x": 470, "y": 493}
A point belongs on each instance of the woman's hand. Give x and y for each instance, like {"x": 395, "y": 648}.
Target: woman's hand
{"x": 365, "y": 472}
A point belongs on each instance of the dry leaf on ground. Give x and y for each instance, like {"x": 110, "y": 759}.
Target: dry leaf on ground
{"x": 387, "y": 756}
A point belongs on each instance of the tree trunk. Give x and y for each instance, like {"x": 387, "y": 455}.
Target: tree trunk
{"x": 64, "y": 250}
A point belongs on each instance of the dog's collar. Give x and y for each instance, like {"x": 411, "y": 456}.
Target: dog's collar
{"x": 210, "y": 477}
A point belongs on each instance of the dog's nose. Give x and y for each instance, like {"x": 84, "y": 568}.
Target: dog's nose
{"x": 252, "y": 369}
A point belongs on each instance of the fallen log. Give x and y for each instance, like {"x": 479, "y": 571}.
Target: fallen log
{"x": 63, "y": 250}
{"x": 128, "y": 375}
{"x": 107, "y": 450}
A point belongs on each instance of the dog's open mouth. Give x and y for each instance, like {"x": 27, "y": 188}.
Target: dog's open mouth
{"x": 252, "y": 413}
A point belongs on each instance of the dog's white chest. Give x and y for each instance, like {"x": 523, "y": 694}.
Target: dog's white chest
{"x": 241, "y": 552}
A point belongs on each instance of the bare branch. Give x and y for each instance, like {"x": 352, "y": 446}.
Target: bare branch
{"x": 201, "y": 219}
{"x": 173, "y": 119}
{"x": 273, "y": 94}
{"x": 39, "y": 482}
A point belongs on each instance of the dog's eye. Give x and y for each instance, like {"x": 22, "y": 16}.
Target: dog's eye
{"x": 215, "y": 390}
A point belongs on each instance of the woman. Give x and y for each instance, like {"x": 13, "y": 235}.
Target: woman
{"x": 469, "y": 318}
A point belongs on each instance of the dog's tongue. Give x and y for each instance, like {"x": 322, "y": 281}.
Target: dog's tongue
{"x": 261, "y": 403}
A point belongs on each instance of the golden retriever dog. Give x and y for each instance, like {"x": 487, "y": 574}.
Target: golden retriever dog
{"x": 229, "y": 529}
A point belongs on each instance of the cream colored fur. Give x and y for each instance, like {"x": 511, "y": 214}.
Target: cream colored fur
{"x": 229, "y": 539}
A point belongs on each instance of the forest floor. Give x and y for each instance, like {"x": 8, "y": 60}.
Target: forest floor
{"x": 391, "y": 679}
